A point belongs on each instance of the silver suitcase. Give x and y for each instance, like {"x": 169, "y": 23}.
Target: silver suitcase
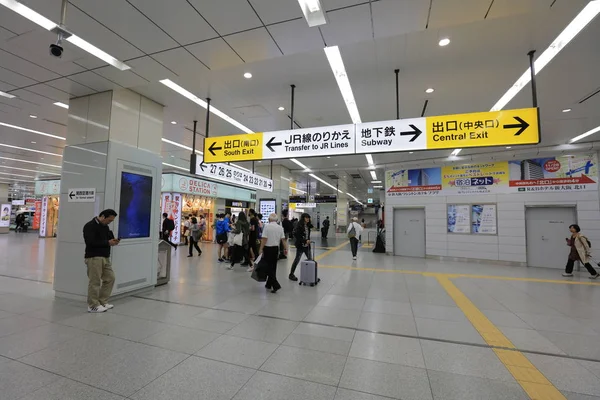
{"x": 309, "y": 271}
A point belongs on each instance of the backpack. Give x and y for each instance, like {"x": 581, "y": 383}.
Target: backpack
{"x": 352, "y": 233}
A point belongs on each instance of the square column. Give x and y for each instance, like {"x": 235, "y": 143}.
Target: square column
{"x": 113, "y": 152}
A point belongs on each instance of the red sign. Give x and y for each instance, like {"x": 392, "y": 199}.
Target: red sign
{"x": 38, "y": 213}
{"x": 581, "y": 180}
{"x": 552, "y": 165}
{"x": 402, "y": 189}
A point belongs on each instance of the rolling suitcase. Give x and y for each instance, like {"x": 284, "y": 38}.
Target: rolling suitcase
{"x": 309, "y": 271}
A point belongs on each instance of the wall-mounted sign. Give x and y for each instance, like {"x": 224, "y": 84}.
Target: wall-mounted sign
{"x": 47, "y": 188}
{"x": 233, "y": 203}
{"x": 496, "y": 128}
{"x": 306, "y": 205}
{"x": 326, "y": 199}
{"x": 266, "y": 207}
{"x": 297, "y": 199}
{"x": 232, "y": 175}
{"x": 18, "y": 202}
{"x": 44, "y": 217}
{"x": 86, "y": 195}
{"x": 369, "y": 201}
{"x": 197, "y": 186}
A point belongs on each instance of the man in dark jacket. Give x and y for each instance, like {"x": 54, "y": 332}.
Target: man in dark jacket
{"x": 288, "y": 229}
{"x": 98, "y": 241}
{"x": 325, "y": 228}
{"x": 168, "y": 226}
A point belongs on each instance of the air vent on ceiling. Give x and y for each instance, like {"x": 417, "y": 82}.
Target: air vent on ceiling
{"x": 356, "y": 176}
{"x": 333, "y": 176}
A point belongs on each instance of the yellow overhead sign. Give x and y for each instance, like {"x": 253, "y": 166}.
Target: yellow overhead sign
{"x": 233, "y": 148}
{"x": 495, "y": 128}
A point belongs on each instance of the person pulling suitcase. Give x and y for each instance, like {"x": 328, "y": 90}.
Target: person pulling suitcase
{"x": 302, "y": 236}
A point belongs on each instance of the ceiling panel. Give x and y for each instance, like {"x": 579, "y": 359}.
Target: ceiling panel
{"x": 127, "y": 22}
{"x": 455, "y": 12}
{"x": 52, "y": 94}
{"x": 126, "y": 79}
{"x": 254, "y": 45}
{"x": 296, "y": 36}
{"x": 228, "y": 16}
{"x": 177, "y": 18}
{"x": 182, "y": 62}
{"x": 216, "y": 54}
{"x": 14, "y": 78}
{"x": 333, "y": 4}
{"x": 15, "y": 23}
{"x": 397, "y": 17}
{"x": 349, "y": 25}
{"x": 73, "y": 88}
{"x": 24, "y": 67}
{"x": 504, "y": 8}
{"x": 93, "y": 80}
{"x": 150, "y": 69}
{"x": 273, "y": 11}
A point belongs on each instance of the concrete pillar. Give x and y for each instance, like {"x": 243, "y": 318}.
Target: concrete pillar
{"x": 4, "y": 200}
{"x": 113, "y": 148}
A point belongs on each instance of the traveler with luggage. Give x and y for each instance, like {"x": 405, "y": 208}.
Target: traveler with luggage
{"x": 241, "y": 233}
{"x": 354, "y": 231}
{"x": 195, "y": 236}
{"x": 302, "y": 238}
{"x": 272, "y": 236}
{"x": 580, "y": 251}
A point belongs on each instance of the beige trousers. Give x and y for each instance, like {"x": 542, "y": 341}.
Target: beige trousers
{"x": 101, "y": 280}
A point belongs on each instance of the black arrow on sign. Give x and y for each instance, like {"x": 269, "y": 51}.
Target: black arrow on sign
{"x": 522, "y": 125}
{"x": 212, "y": 148}
{"x": 270, "y": 144}
{"x": 71, "y": 195}
{"x": 416, "y": 132}
{"x": 202, "y": 166}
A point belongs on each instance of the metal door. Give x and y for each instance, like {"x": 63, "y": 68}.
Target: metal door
{"x": 547, "y": 228}
{"x": 409, "y": 232}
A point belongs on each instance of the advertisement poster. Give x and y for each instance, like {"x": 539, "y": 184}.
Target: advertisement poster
{"x": 414, "y": 182}
{"x": 171, "y": 204}
{"x": 458, "y": 218}
{"x": 135, "y": 206}
{"x": 44, "y": 216}
{"x": 555, "y": 174}
{"x": 36, "y": 216}
{"x": 5, "y": 215}
{"x": 484, "y": 220}
{"x": 476, "y": 178}
{"x": 266, "y": 207}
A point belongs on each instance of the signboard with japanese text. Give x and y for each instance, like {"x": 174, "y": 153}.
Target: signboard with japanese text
{"x": 171, "y": 204}
{"x": 484, "y": 219}
{"x": 44, "y": 217}
{"x": 36, "y": 217}
{"x": 81, "y": 195}
{"x": 571, "y": 173}
{"x": 233, "y": 175}
{"x": 459, "y": 220}
{"x": 551, "y": 174}
{"x": 321, "y": 199}
{"x": 47, "y": 188}
{"x": 475, "y": 178}
{"x": 485, "y": 129}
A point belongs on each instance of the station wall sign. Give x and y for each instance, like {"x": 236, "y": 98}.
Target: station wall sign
{"x": 233, "y": 175}
{"x": 485, "y": 129}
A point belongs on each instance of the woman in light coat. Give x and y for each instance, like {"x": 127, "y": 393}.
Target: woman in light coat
{"x": 580, "y": 251}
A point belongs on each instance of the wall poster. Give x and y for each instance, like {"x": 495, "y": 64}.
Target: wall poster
{"x": 476, "y": 178}
{"x": 5, "y": 215}
{"x": 459, "y": 220}
{"x": 267, "y": 207}
{"x": 484, "y": 219}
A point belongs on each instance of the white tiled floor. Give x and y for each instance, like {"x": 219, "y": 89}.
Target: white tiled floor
{"x": 360, "y": 335}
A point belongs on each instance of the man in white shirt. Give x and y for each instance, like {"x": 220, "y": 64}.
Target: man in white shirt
{"x": 272, "y": 237}
{"x": 354, "y": 231}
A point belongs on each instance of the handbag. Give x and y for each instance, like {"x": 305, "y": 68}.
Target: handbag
{"x": 238, "y": 239}
{"x": 260, "y": 269}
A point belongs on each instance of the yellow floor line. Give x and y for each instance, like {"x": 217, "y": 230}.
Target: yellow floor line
{"x": 533, "y": 382}
{"x": 442, "y": 274}
{"x": 328, "y": 252}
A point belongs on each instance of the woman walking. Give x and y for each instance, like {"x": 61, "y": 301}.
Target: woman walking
{"x": 242, "y": 227}
{"x": 354, "y": 230}
{"x": 580, "y": 251}
{"x": 302, "y": 236}
{"x": 195, "y": 236}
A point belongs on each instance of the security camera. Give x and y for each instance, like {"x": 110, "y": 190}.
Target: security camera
{"x": 56, "y": 49}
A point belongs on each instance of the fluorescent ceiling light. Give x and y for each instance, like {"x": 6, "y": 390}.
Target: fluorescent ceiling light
{"x": 32, "y": 150}
{"x": 324, "y": 182}
{"x": 30, "y": 162}
{"x": 370, "y": 159}
{"x": 374, "y": 175}
{"x": 17, "y": 180}
{"x": 11, "y": 174}
{"x": 31, "y": 130}
{"x": 180, "y": 145}
{"x": 63, "y": 105}
{"x": 298, "y": 163}
{"x": 444, "y": 42}
{"x": 47, "y": 24}
{"x": 566, "y": 110}
{"x": 456, "y": 151}
{"x": 313, "y": 12}
{"x": 93, "y": 50}
{"x": 285, "y": 179}
{"x": 173, "y": 86}
{"x": 589, "y": 12}
{"x": 175, "y": 166}
{"x": 584, "y": 135}
{"x": 339, "y": 71}
{"x": 376, "y": 181}
{"x": 32, "y": 116}
{"x": 377, "y": 187}
{"x": 7, "y": 95}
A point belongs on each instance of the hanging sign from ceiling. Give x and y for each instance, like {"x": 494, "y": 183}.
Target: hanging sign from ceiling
{"x": 233, "y": 175}
{"x": 495, "y": 128}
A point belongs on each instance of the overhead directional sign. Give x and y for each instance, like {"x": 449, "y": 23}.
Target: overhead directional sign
{"x": 497, "y": 128}
{"x": 233, "y": 175}
{"x": 82, "y": 195}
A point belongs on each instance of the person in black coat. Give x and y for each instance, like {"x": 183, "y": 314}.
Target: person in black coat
{"x": 168, "y": 226}
{"x": 302, "y": 241}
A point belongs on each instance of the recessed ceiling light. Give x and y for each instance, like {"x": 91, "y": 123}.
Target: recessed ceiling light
{"x": 32, "y": 142}
{"x": 508, "y": 147}
{"x": 7, "y": 95}
{"x": 430, "y": 90}
{"x": 410, "y": 152}
{"x": 259, "y": 161}
{"x": 328, "y": 156}
{"x": 444, "y": 42}
{"x": 281, "y": 108}
{"x": 172, "y": 156}
{"x": 456, "y": 152}
{"x": 174, "y": 122}
{"x": 335, "y": 165}
{"x": 566, "y": 110}
{"x": 247, "y": 75}
{"x": 33, "y": 116}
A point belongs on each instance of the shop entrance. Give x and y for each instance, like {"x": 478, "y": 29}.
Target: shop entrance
{"x": 547, "y": 228}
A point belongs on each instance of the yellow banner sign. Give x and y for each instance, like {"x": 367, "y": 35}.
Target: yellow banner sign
{"x": 233, "y": 148}
{"x": 496, "y": 128}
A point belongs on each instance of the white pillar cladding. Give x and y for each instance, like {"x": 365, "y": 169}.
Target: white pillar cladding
{"x": 113, "y": 138}
{"x": 4, "y": 200}
{"x": 281, "y": 186}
